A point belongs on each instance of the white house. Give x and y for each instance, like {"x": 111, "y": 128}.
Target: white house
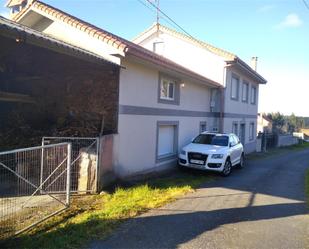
{"x": 162, "y": 104}
{"x": 240, "y": 81}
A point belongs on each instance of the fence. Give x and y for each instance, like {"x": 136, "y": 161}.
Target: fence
{"x": 84, "y": 162}
{"x": 29, "y": 195}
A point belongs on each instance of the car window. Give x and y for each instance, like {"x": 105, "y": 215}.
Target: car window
{"x": 203, "y": 139}
{"x": 220, "y": 140}
{"x": 232, "y": 141}
{"x": 236, "y": 139}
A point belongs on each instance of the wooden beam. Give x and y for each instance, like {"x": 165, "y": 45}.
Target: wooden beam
{"x": 16, "y": 97}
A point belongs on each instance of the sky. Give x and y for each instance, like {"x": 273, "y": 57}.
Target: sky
{"x": 276, "y": 31}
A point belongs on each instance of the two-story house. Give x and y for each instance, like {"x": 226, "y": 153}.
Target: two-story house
{"x": 240, "y": 81}
{"x": 162, "y": 105}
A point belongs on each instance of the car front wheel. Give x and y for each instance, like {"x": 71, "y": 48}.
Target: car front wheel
{"x": 227, "y": 168}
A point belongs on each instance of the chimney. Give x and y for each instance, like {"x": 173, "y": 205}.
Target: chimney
{"x": 16, "y": 6}
{"x": 254, "y": 63}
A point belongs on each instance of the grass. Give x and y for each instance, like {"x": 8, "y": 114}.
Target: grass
{"x": 277, "y": 151}
{"x": 93, "y": 217}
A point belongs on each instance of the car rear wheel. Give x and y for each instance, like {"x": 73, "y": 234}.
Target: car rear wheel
{"x": 227, "y": 168}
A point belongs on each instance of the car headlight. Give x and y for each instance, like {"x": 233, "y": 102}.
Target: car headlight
{"x": 183, "y": 152}
{"x": 217, "y": 156}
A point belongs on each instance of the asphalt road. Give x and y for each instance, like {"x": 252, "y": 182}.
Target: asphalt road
{"x": 261, "y": 206}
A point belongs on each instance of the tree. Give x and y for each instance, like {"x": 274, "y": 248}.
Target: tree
{"x": 278, "y": 121}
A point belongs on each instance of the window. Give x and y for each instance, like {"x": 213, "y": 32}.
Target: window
{"x": 245, "y": 91}
{"x": 232, "y": 141}
{"x": 158, "y": 47}
{"x": 253, "y": 95}
{"x": 167, "y": 140}
{"x": 168, "y": 90}
{"x": 211, "y": 139}
{"x": 251, "y": 131}
{"x": 235, "y": 128}
{"x": 203, "y": 126}
{"x": 235, "y": 88}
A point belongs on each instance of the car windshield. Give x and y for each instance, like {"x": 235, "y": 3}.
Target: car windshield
{"x": 211, "y": 139}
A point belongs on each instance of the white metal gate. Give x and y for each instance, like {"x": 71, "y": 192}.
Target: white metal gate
{"x": 84, "y": 162}
{"x": 26, "y": 192}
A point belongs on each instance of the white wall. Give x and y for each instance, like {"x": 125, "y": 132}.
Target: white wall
{"x": 74, "y": 36}
{"x": 237, "y": 106}
{"x": 136, "y": 144}
{"x": 190, "y": 56}
{"x": 139, "y": 87}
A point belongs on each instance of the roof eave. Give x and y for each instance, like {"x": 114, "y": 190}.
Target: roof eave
{"x": 248, "y": 69}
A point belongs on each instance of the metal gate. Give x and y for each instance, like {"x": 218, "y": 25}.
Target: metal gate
{"x": 25, "y": 191}
{"x": 84, "y": 162}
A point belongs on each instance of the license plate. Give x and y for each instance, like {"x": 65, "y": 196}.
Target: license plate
{"x": 200, "y": 162}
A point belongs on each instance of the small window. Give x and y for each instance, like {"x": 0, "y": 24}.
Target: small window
{"x": 235, "y": 88}
{"x": 158, "y": 47}
{"x": 167, "y": 89}
{"x": 167, "y": 140}
{"x": 245, "y": 91}
{"x": 251, "y": 131}
{"x": 235, "y": 128}
{"x": 203, "y": 126}
{"x": 253, "y": 95}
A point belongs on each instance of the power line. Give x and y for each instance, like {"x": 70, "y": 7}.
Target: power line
{"x": 170, "y": 19}
{"x": 156, "y": 12}
{"x": 306, "y": 4}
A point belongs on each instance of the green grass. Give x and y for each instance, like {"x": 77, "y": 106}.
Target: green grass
{"x": 277, "y": 151}
{"x": 93, "y": 217}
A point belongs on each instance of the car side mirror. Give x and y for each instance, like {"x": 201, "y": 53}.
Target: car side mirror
{"x": 230, "y": 144}
{"x": 192, "y": 139}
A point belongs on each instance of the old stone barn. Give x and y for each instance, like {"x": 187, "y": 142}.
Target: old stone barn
{"x": 49, "y": 88}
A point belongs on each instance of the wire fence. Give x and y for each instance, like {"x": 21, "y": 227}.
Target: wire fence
{"x": 84, "y": 162}
{"x": 30, "y": 194}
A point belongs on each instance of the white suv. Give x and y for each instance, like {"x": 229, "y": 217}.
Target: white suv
{"x": 213, "y": 151}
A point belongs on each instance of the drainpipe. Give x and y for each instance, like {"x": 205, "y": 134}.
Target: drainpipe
{"x": 222, "y": 97}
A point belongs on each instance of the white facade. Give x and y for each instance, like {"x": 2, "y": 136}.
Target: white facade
{"x": 140, "y": 114}
{"x": 241, "y": 110}
{"x": 154, "y": 121}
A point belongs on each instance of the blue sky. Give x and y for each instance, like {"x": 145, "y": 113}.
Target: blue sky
{"x": 277, "y": 31}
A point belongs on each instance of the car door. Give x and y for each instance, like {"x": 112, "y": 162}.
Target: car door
{"x": 238, "y": 148}
{"x": 233, "y": 149}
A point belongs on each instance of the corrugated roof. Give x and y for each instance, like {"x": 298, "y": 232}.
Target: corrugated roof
{"x": 13, "y": 29}
{"x": 117, "y": 42}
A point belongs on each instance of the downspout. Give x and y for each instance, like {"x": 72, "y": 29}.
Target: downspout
{"x": 222, "y": 97}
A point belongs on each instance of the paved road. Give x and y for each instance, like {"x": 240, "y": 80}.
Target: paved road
{"x": 261, "y": 206}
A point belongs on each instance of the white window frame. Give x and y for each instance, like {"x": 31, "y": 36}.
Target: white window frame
{"x": 253, "y": 95}
{"x": 245, "y": 94}
{"x": 175, "y": 99}
{"x": 160, "y": 158}
{"x": 170, "y": 82}
{"x": 237, "y": 87}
